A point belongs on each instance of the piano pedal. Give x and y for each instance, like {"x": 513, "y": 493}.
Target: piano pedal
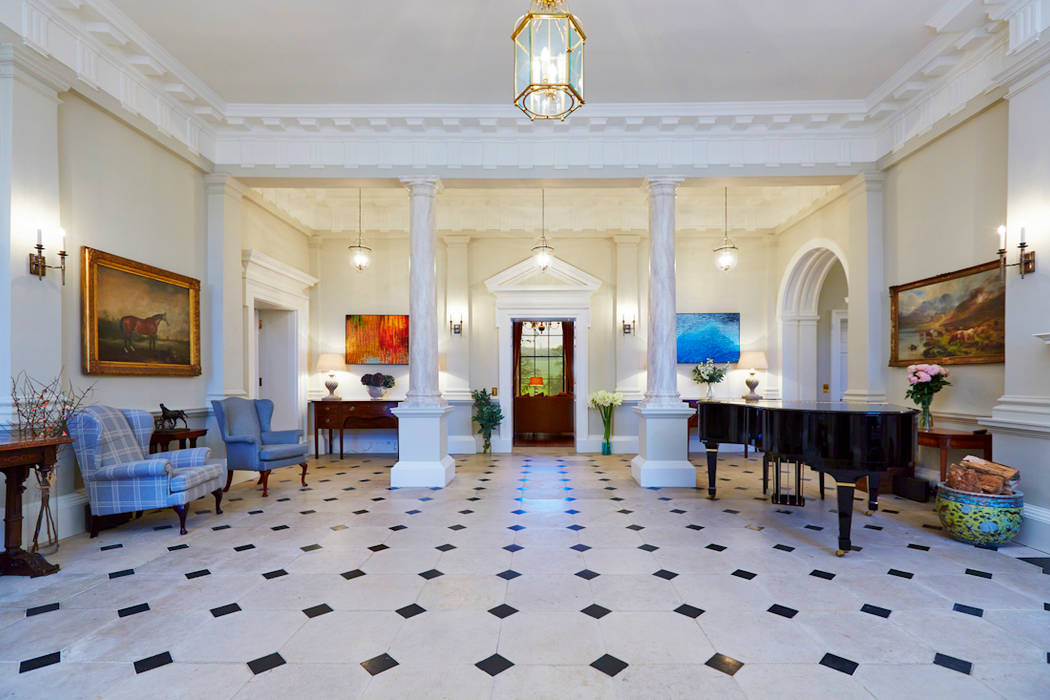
{"x": 840, "y": 552}
{"x": 779, "y": 499}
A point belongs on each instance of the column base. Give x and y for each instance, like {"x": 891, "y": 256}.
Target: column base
{"x": 422, "y": 435}
{"x": 663, "y": 448}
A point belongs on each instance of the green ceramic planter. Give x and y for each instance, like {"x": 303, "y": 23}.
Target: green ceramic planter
{"x": 977, "y": 518}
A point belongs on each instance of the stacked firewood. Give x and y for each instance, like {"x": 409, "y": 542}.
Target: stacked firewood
{"x": 978, "y": 475}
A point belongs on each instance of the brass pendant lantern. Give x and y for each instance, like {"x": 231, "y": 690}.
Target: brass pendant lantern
{"x": 543, "y": 253}
{"x": 548, "y": 61}
{"x": 360, "y": 254}
{"x": 727, "y": 255}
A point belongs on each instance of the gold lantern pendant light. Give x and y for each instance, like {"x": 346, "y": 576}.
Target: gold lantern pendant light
{"x": 360, "y": 254}
{"x": 727, "y": 255}
{"x": 548, "y": 61}
{"x": 543, "y": 254}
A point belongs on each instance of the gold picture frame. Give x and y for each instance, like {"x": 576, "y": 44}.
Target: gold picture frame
{"x": 125, "y": 308}
{"x": 957, "y": 318}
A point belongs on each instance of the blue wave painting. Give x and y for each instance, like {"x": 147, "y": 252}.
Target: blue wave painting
{"x": 701, "y": 336}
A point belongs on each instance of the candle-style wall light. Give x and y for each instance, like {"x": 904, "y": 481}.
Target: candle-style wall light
{"x": 38, "y": 261}
{"x": 1025, "y": 261}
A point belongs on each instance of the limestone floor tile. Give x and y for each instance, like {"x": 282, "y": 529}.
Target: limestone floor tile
{"x": 342, "y": 637}
{"x": 723, "y": 592}
{"x": 634, "y": 592}
{"x": 549, "y": 592}
{"x": 865, "y": 638}
{"x": 893, "y": 592}
{"x": 376, "y": 592}
{"x": 654, "y": 638}
{"x": 401, "y": 561}
{"x": 137, "y": 636}
{"x": 453, "y": 682}
{"x": 75, "y": 681}
{"x": 1015, "y": 680}
{"x": 1033, "y": 626}
{"x": 979, "y": 592}
{"x": 446, "y": 637}
{"x": 937, "y": 683}
{"x": 970, "y": 638}
{"x": 183, "y": 680}
{"x": 647, "y": 681}
{"x": 620, "y": 560}
{"x": 799, "y": 682}
{"x": 474, "y": 561}
{"x": 804, "y": 592}
{"x": 459, "y": 592}
{"x": 540, "y": 682}
{"x": 24, "y": 592}
{"x": 759, "y": 637}
{"x": 295, "y": 592}
{"x": 547, "y": 560}
{"x": 238, "y": 637}
{"x": 307, "y": 680}
{"x": 550, "y": 638}
{"x": 54, "y": 631}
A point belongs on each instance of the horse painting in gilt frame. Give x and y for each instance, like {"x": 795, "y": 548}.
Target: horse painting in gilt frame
{"x": 137, "y": 319}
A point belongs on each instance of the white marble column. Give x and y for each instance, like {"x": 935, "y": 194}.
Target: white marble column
{"x": 868, "y": 294}
{"x": 663, "y": 451}
{"x": 423, "y": 417}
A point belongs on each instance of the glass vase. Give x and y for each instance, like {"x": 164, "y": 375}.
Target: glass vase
{"x": 926, "y": 418}
{"x": 710, "y": 392}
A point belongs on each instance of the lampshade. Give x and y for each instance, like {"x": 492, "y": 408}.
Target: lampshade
{"x": 536, "y": 381}
{"x": 331, "y": 362}
{"x": 752, "y": 359}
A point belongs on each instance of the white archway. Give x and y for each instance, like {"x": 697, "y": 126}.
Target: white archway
{"x": 797, "y": 315}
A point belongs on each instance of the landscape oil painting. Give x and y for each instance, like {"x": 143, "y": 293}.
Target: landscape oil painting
{"x": 703, "y": 336}
{"x": 376, "y": 339}
{"x": 954, "y": 318}
{"x": 138, "y": 319}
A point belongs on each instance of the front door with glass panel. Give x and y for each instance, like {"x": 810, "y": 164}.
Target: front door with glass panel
{"x": 543, "y": 382}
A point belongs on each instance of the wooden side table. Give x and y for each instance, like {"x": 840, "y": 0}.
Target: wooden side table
{"x": 945, "y": 439}
{"x": 351, "y": 415}
{"x": 160, "y": 440}
{"x": 16, "y": 459}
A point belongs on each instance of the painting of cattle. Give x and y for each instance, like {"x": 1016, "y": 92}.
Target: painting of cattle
{"x": 138, "y": 319}
{"x": 952, "y": 319}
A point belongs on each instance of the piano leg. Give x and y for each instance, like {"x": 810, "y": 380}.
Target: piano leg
{"x": 765, "y": 474}
{"x": 712, "y": 468}
{"x": 845, "y": 498}
{"x": 874, "y": 481}
{"x": 821, "y": 486}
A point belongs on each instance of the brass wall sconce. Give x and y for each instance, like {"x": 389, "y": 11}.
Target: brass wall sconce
{"x": 38, "y": 262}
{"x": 628, "y": 326}
{"x": 455, "y": 327}
{"x": 1026, "y": 258}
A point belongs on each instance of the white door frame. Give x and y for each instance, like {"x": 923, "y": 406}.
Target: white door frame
{"x": 561, "y": 292}
{"x": 837, "y": 317}
{"x": 278, "y": 286}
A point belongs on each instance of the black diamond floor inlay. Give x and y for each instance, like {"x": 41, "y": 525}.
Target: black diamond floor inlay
{"x": 431, "y": 574}
{"x": 225, "y": 609}
{"x": 410, "y": 610}
{"x": 349, "y": 575}
{"x": 503, "y": 610}
{"x": 968, "y": 609}
{"x": 378, "y": 664}
{"x": 266, "y": 663}
{"x": 839, "y": 663}
{"x": 609, "y": 665}
{"x": 826, "y": 575}
{"x": 746, "y": 575}
{"x": 953, "y": 663}
{"x": 317, "y": 610}
{"x": 588, "y": 574}
{"x": 782, "y": 610}
{"x": 716, "y": 547}
{"x": 133, "y": 610}
{"x": 494, "y": 665}
{"x": 39, "y": 662}
{"x": 41, "y": 609}
{"x": 899, "y": 573}
{"x": 689, "y": 610}
{"x": 445, "y": 547}
{"x": 978, "y": 574}
{"x": 726, "y": 664}
{"x": 275, "y": 574}
{"x": 508, "y": 574}
{"x": 152, "y": 662}
{"x": 580, "y": 547}
{"x": 596, "y": 611}
{"x": 875, "y": 610}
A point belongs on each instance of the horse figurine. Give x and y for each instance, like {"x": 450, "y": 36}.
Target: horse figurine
{"x": 169, "y": 419}
{"x": 132, "y": 325}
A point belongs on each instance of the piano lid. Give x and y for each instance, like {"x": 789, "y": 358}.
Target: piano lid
{"x": 817, "y": 406}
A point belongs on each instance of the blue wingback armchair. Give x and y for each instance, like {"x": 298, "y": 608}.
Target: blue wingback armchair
{"x": 250, "y": 443}
{"x": 112, "y": 450}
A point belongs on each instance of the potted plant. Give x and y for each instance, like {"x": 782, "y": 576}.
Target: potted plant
{"x": 604, "y": 402}
{"x": 925, "y": 380}
{"x": 378, "y": 384}
{"x": 710, "y": 374}
{"x": 488, "y": 415}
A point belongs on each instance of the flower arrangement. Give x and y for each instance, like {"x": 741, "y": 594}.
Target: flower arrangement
{"x": 378, "y": 384}
{"x": 710, "y": 374}
{"x": 925, "y": 381}
{"x": 604, "y": 402}
{"x": 42, "y": 408}
{"x": 488, "y": 415}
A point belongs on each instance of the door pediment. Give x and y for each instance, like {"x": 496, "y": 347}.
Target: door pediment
{"x": 559, "y": 277}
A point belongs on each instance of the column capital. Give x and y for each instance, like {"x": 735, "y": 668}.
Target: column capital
{"x": 456, "y": 241}
{"x": 626, "y": 239}
{"x": 423, "y": 185}
{"x": 663, "y": 184}
{"x": 864, "y": 182}
{"x": 221, "y": 183}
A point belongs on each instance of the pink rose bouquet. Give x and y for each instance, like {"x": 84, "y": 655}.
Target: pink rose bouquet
{"x": 925, "y": 381}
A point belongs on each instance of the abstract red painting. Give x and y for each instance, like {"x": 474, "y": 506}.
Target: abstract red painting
{"x": 377, "y": 339}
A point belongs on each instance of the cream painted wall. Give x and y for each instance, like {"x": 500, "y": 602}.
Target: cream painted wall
{"x": 267, "y": 233}
{"x": 832, "y": 297}
{"x": 943, "y": 205}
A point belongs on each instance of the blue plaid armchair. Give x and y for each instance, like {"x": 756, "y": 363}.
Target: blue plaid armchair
{"x": 112, "y": 449}
{"x": 250, "y": 443}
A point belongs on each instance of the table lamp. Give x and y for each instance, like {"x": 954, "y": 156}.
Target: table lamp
{"x": 535, "y": 382}
{"x": 331, "y": 362}
{"x": 752, "y": 360}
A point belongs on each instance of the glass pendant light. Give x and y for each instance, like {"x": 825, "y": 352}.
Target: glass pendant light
{"x": 543, "y": 254}
{"x": 360, "y": 254}
{"x": 548, "y": 61}
{"x": 727, "y": 255}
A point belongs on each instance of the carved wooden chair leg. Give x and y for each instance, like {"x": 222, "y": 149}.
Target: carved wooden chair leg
{"x": 181, "y": 511}
{"x": 138, "y": 514}
{"x": 218, "y": 501}
{"x": 94, "y": 526}
{"x": 229, "y": 479}
{"x": 303, "y": 465}
{"x": 264, "y": 479}
{"x": 260, "y": 478}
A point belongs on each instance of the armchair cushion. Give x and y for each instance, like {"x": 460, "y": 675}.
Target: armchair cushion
{"x": 193, "y": 457}
{"x": 141, "y": 469}
{"x": 281, "y": 437}
{"x": 241, "y": 417}
{"x": 186, "y": 478}
{"x": 270, "y": 453}
{"x": 117, "y": 443}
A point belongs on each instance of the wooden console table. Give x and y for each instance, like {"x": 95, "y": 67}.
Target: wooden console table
{"x": 945, "y": 439}
{"x": 161, "y": 440}
{"x": 16, "y": 459}
{"x": 351, "y": 415}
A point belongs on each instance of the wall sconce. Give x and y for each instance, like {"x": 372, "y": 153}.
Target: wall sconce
{"x": 38, "y": 263}
{"x": 1025, "y": 261}
{"x": 455, "y": 327}
{"x": 628, "y": 326}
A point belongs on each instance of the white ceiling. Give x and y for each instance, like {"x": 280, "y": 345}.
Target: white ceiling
{"x": 459, "y": 51}
{"x": 570, "y": 211}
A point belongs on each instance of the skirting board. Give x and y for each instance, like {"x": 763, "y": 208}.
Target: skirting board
{"x": 386, "y": 443}
{"x": 1035, "y": 532}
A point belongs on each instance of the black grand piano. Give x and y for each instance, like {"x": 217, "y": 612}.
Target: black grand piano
{"x": 847, "y": 441}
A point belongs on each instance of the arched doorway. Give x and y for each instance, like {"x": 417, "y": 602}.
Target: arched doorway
{"x": 798, "y": 316}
